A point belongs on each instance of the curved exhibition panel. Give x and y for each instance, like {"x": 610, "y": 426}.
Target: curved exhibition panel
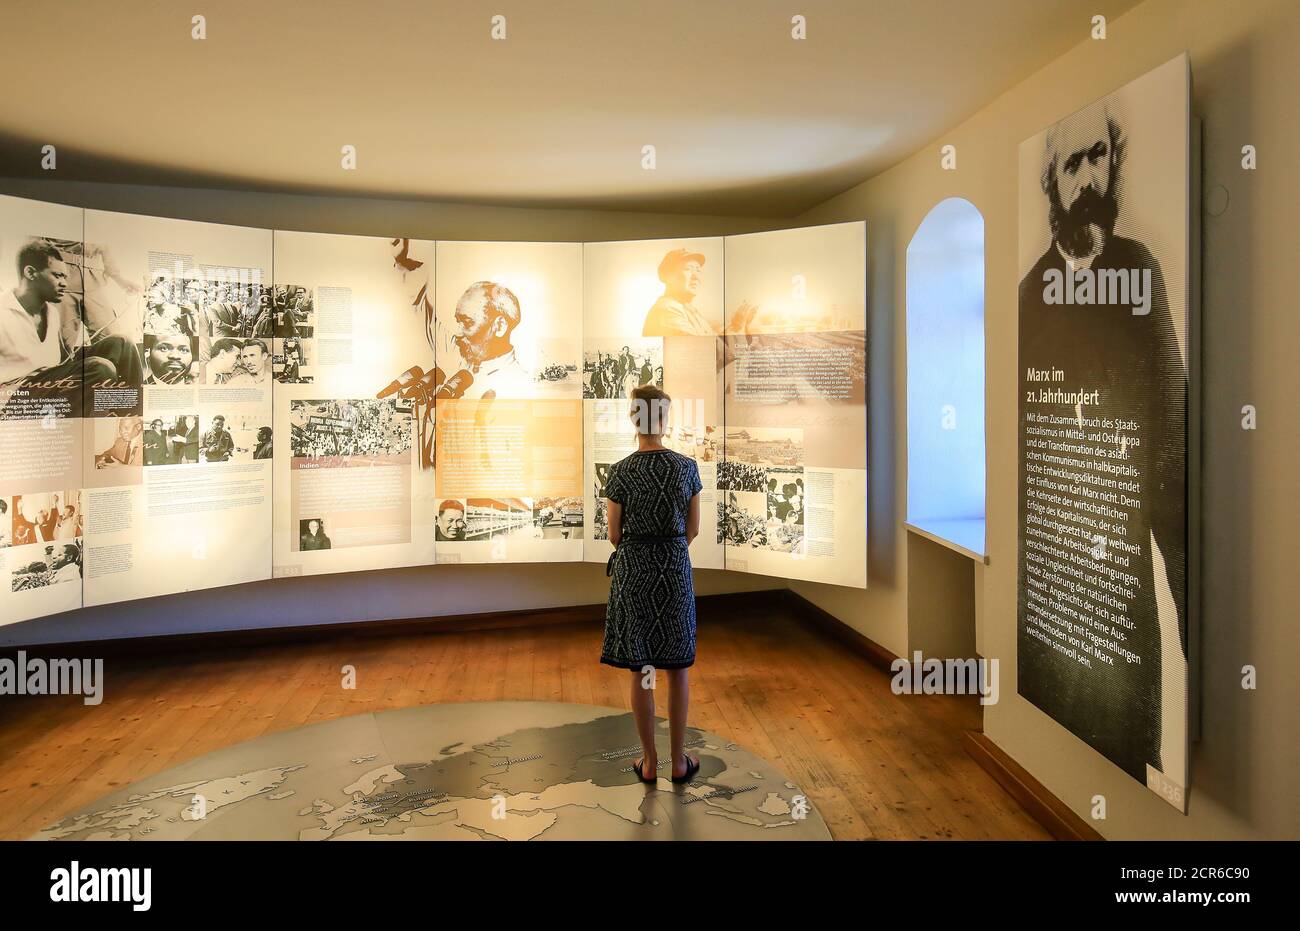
{"x": 188, "y": 405}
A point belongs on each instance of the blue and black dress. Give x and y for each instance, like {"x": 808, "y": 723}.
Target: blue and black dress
{"x": 650, "y": 618}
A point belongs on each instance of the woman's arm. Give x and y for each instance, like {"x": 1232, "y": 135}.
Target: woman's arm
{"x": 693, "y": 519}
{"x": 614, "y": 512}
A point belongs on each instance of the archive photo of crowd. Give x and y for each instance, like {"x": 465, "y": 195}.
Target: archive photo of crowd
{"x": 770, "y": 520}
{"x": 362, "y": 428}
{"x": 206, "y": 307}
{"x": 741, "y": 476}
{"x": 751, "y": 453}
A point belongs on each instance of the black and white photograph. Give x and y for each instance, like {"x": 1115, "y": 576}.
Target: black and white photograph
{"x": 215, "y": 441}
{"x": 450, "y": 521}
{"x": 558, "y": 518}
{"x": 294, "y": 360}
{"x": 311, "y": 535}
{"x": 765, "y": 446}
{"x": 173, "y": 306}
{"x": 556, "y": 364}
{"x": 6, "y": 521}
{"x": 170, "y": 360}
{"x": 612, "y": 368}
{"x": 742, "y": 519}
{"x": 1103, "y": 425}
{"x": 44, "y": 564}
{"x": 204, "y": 307}
{"x": 233, "y": 361}
{"x": 293, "y": 311}
{"x": 741, "y": 476}
{"x": 499, "y": 518}
{"x": 54, "y": 360}
{"x": 238, "y": 362}
{"x": 785, "y": 529}
{"x": 172, "y": 439}
{"x": 45, "y": 282}
{"x": 237, "y": 310}
{"x": 118, "y": 443}
{"x": 754, "y": 457}
{"x": 600, "y": 519}
{"x": 235, "y": 437}
{"x": 263, "y": 445}
{"x": 699, "y": 443}
{"x": 359, "y": 427}
{"x": 785, "y": 496}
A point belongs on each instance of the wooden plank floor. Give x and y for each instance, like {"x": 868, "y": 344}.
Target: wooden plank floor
{"x": 876, "y": 765}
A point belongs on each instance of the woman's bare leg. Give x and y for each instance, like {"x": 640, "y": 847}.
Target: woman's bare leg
{"x": 679, "y": 702}
{"x": 643, "y": 710}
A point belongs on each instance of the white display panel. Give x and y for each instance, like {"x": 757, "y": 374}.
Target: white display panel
{"x": 41, "y": 424}
{"x": 653, "y": 314}
{"x": 792, "y": 485}
{"x": 355, "y": 376}
{"x": 195, "y": 512}
{"x": 508, "y": 336}
{"x": 187, "y": 380}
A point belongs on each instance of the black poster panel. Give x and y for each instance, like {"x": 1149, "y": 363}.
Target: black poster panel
{"x": 1103, "y": 328}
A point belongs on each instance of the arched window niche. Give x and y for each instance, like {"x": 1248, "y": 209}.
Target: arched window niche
{"x": 945, "y": 378}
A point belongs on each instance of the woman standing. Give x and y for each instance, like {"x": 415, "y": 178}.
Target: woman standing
{"x": 654, "y": 513}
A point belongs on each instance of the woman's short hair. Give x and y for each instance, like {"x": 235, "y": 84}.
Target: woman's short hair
{"x": 650, "y": 405}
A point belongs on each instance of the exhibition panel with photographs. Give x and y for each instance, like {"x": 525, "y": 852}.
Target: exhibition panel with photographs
{"x": 351, "y": 320}
{"x": 507, "y": 332}
{"x": 188, "y": 405}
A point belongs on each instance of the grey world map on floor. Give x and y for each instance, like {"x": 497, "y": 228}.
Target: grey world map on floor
{"x": 458, "y": 771}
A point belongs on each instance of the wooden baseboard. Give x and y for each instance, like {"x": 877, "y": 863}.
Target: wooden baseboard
{"x": 719, "y": 607}
{"x": 833, "y": 627}
{"x": 1048, "y": 810}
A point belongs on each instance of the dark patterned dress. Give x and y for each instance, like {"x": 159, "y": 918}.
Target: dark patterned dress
{"x": 650, "y": 618}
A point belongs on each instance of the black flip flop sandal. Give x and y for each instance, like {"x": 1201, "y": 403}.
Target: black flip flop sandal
{"x": 692, "y": 767}
{"x": 636, "y": 768}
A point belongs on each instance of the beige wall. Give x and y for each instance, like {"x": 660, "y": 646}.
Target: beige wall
{"x": 1245, "y": 72}
{"x": 420, "y": 592}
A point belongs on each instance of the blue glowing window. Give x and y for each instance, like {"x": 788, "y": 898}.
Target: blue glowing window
{"x": 945, "y": 376}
